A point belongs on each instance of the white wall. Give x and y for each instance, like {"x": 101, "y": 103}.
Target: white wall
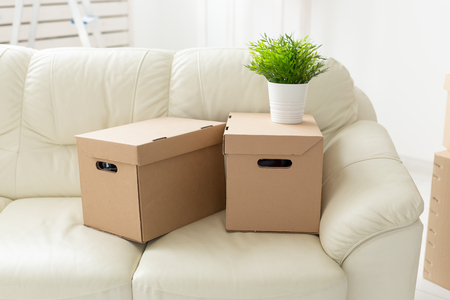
{"x": 180, "y": 24}
{"x": 398, "y": 52}
{"x": 168, "y": 24}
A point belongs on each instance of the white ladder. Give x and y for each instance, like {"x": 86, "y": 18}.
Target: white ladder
{"x": 80, "y": 23}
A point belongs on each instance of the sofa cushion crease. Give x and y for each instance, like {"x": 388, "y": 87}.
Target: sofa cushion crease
{"x": 375, "y": 236}
{"x": 47, "y": 253}
{"x": 14, "y": 66}
{"x": 120, "y": 292}
{"x": 342, "y": 283}
{"x": 385, "y": 261}
{"x": 204, "y": 261}
{"x": 358, "y": 161}
{"x": 357, "y": 202}
{"x": 68, "y": 87}
{"x": 381, "y": 210}
{"x": 4, "y": 202}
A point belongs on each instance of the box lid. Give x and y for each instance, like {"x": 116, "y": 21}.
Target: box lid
{"x": 255, "y": 133}
{"x": 150, "y": 141}
{"x": 444, "y": 154}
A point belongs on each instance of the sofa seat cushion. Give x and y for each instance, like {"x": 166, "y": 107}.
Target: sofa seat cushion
{"x": 203, "y": 261}
{"x": 46, "y": 253}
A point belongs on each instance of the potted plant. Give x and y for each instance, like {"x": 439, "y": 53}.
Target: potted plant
{"x": 288, "y": 66}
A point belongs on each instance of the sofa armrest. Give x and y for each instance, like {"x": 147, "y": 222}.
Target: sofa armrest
{"x": 366, "y": 189}
{"x": 4, "y": 202}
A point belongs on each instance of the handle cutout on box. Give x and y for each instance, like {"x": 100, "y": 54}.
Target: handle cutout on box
{"x": 104, "y": 166}
{"x": 274, "y": 163}
{"x": 207, "y": 126}
{"x": 161, "y": 138}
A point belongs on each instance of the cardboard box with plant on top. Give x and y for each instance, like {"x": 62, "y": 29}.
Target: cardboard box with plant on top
{"x": 145, "y": 179}
{"x": 274, "y": 174}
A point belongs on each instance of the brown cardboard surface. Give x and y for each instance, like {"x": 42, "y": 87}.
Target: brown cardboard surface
{"x": 273, "y": 199}
{"x": 437, "y": 254}
{"x": 248, "y": 133}
{"x": 446, "y": 141}
{"x": 202, "y": 174}
{"x": 151, "y": 140}
{"x": 100, "y": 201}
{"x": 160, "y": 184}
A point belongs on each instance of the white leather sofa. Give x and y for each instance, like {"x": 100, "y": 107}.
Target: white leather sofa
{"x": 370, "y": 232}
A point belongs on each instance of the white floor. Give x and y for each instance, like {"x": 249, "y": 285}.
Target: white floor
{"x": 421, "y": 172}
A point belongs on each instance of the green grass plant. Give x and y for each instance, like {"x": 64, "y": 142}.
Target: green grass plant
{"x": 286, "y": 60}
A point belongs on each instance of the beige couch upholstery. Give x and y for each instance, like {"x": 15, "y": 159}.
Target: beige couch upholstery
{"x": 369, "y": 241}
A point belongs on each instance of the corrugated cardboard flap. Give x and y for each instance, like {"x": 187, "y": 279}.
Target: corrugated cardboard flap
{"x": 276, "y": 145}
{"x": 152, "y": 140}
{"x": 257, "y": 134}
{"x": 173, "y": 146}
{"x": 108, "y": 151}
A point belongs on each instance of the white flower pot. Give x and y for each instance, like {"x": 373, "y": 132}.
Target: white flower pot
{"x": 287, "y": 102}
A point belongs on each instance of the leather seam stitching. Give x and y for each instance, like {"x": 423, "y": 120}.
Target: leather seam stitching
{"x": 377, "y": 237}
{"x": 4, "y": 52}
{"x": 358, "y": 161}
{"x": 289, "y": 296}
{"x": 373, "y": 236}
{"x": 20, "y": 125}
{"x": 355, "y": 101}
{"x": 200, "y": 79}
{"x": 50, "y": 146}
{"x": 138, "y": 73}
{"x": 170, "y": 84}
{"x": 55, "y": 112}
{"x": 93, "y": 295}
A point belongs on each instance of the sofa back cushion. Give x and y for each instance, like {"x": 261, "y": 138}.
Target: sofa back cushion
{"x": 49, "y": 96}
{"x": 211, "y": 83}
{"x": 72, "y": 91}
{"x": 14, "y": 63}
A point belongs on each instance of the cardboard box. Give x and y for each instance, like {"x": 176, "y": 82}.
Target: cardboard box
{"x": 446, "y": 141}
{"x": 168, "y": 172}
{"x": 437, "y": 254}
{"x": 274, "y": 174}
